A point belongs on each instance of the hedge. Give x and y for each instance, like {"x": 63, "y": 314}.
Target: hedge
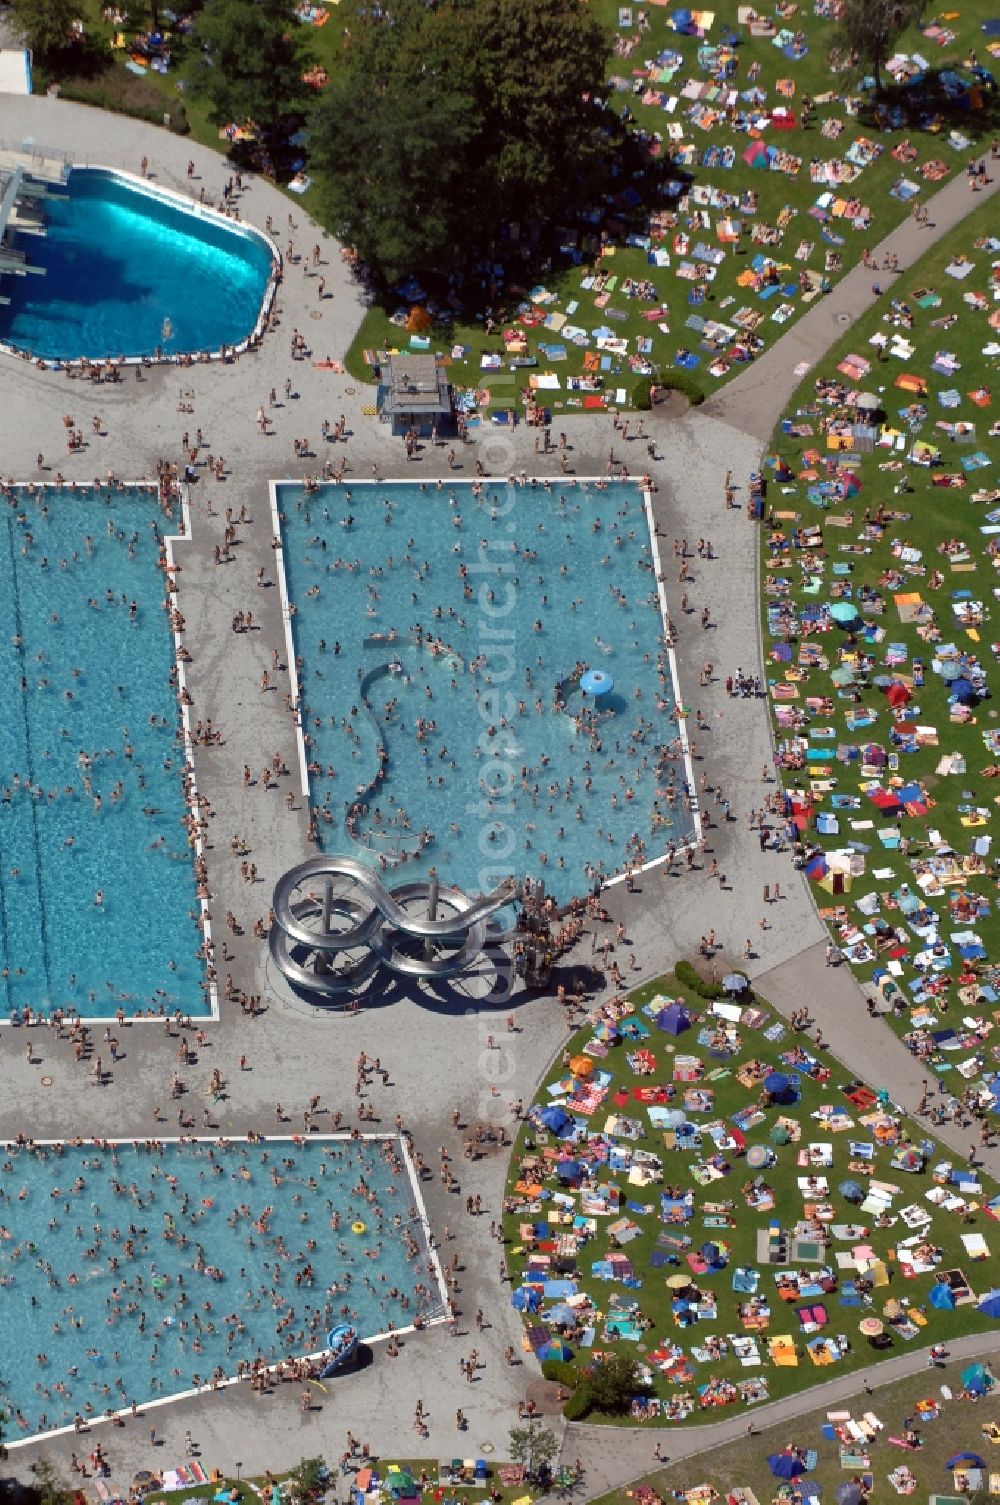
{"x": 690, "y": 979}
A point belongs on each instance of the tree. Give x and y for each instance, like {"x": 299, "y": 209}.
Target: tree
{"x": 870, "y": 29}
{"x": 248, "y": 62}
{"x": 533, "y": 1447}
{"x": 613, "y": 1383}
{"x": 448, "y": 122}
{"x": 46, "y": 1486}
{"x": 45, "y": 25}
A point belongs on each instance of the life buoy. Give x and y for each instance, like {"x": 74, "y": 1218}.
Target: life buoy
{"x": 358, "y": 1227}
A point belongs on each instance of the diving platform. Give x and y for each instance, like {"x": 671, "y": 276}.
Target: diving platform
{"x": 25, "y": 183}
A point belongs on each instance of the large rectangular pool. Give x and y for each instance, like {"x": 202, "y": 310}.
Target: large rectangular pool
{"x": 97, "y": 884}
{"x": 445, "y": 633}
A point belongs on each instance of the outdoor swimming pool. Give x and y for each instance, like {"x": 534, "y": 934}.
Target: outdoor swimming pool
{"x": 481, "y": 774}
{"x": 133, "y": 1273}
{"x": 128, "y": 270}
{"x": 97, "y": 884}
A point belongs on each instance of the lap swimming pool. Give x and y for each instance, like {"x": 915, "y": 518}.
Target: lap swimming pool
{"x": 129, "y": 270}
{"x": 97, "y": 883}
{"x": 136, "y": 1271}
{"x": 442, "y": 632}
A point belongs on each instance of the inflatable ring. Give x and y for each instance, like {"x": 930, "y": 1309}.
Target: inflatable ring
{"x": 358, "y": 1227}
{"x": 207, "y": 1202}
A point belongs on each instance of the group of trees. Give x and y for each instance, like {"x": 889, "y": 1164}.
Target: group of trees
{"x": 449, "y": 126}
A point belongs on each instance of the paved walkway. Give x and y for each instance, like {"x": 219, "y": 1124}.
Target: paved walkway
{"x": 755, "y": 401}
{"x": 295, "y": 1052}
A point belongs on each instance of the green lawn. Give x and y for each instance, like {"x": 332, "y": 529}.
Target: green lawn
{"x": 952, "y": 317}
{"x": 956, "y": 1428}
{"x": 744, "y": 1198}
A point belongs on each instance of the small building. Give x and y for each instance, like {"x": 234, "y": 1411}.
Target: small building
{"x": 15, "y": 70}
{"x": 414, "y": 394}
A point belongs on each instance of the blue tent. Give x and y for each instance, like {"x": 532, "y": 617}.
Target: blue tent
{"x": 972, "y": 1459}
{"x": 989, "y": 1304}
{"x": 562, "y": 1315}
{"x": 526, "y": 1299}
{"x": 570, "y": 1171}
{"x": 941, "y": 1298}
{"x": 785, "y": 1465}
{"x": 975, "y": 1379}
{"x": 673, "y": 1019}
{"x": 555, "y": 1349}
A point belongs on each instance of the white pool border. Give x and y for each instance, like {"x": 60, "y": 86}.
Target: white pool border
{"x": 533, "y": 485}
{"x": 182, "y": 359}
{"x": 80, "y": 489}
{"x": 109, "y": 1417}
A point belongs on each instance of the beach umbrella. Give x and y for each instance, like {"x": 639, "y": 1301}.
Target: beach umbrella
{"x": 989, "y": 1304}
{"x": 941, "y": 1298}
{"x": 897, "y": 694}
{"x": 605, "y": 1030}
{"x": 555, "y": 1349}
{"x": 526, "y": 1299}
{"x": 778, "y": 1085}
{"x": 755, "y": 154}
{"x": 870, "y": 1326}
{"x": 596, "y": 682}
{"x": 975, "y": 1379}
{"x": 958, "y": 1459}
{"x": 757, "y": 1156}
{"x": 678, "y": 1282}
{"x": 950, "y": 669}
{"x": 785, "y": 1465}
{"x": 581, "y": 1066}
{"x": 852, "y": 1191}
{"x": 779, "y": 1134}
{"x": 962, "y": 689}
{"x": 734, "y": 982}
{"x": 553, "y": 1118}
{"x": 674, "y": 1118}
{"x": 562, "y": 1315}
{"x": 847, "y": 1493}
{"x": 569, "y": 1170}
{"x": 843, "y": 611}
{"x": 842, "y": 675}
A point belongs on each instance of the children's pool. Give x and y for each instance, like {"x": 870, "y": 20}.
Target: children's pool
{"x": 435, "y": 626}
{"x": 128, "y": 271}
{"x": 97, "y": 885}
{"x": 130, "y": 1273}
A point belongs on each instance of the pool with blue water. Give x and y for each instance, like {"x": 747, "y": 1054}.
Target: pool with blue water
{"x": 442, "y": 634}
{"x": 97, "y": 882}
{"x": 131, "y": 1272}
{"x": 128, "y": 271}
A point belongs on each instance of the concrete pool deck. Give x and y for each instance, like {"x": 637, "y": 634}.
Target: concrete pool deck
{"x": 444, "y": 1050}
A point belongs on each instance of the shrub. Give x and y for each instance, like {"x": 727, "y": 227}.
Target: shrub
{"x": 642, "y": 394}
{"x": 579, "y": 1404}
{"x": 562, "y": 1371}
{"x": 690, "y": 979}
{"x": 679, "y": 381}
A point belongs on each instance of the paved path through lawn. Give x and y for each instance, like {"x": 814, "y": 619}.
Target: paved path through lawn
{"x": 614, "y": 1457}
{"x": 755, "y": 401}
